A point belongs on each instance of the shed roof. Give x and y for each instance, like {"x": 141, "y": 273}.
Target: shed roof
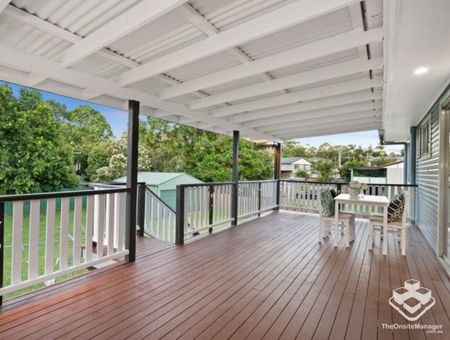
{"x": 158, "y": 178}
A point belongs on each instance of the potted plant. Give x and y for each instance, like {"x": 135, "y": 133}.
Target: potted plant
{"x": 356, "y": 189}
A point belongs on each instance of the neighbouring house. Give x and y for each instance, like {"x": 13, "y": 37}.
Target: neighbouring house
{"x": 388, "y": 174}
{"x": 164, "y": 184}
{"x": 290, "y": 165}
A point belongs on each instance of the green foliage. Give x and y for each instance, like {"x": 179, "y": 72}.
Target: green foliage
{"x": 325, "y": 169}
{"x": 302, "y": 174}
{"x": 84, "y": 128}
{"x": 174, "y": 148}
{"x": 346, "y": 167}
{"x": 33, "y": 154}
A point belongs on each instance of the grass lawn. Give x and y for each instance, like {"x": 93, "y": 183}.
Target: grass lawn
{"x": 42, "y": 237}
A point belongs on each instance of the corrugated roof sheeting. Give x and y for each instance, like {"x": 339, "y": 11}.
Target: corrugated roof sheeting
{"x": 173, "y": 31}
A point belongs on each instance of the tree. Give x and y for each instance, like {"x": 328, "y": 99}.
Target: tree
{"x": 293, "y": 149}
{"x": 214, "y": 160}
{"x": 84, "y": 128}
{"x": 33, "y": 154}
{"x": 345, "y": 170}
{"x": 302, "y": 174}
{"x": 325, "y": 169}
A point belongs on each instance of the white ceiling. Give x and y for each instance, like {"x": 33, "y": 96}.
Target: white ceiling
{"x": 419, "y": 36}
{"x": 272, "y": 69}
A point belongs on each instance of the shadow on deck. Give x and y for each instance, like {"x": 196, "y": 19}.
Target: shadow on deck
{"x": 267, "y": 278}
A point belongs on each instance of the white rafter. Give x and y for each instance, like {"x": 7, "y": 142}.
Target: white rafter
{"x": 312, "y": 114}
{"x": 27, "y": 62}
{"x": 321, "y": 48}
{"x": 306, "y": 106}
{"x": 134, "y": 18}
{"x": 271, "y": 22}
{"x": 344, "y": 117}
{"x": 330, "y": 130}
{"x": 300, "y": 79}
{"x": 204, "y": 26}
{"x": 303, "y": 95}
{"x": 61, "y": 33}
{"x": 323, "y": 125}
{"x": 4, "y": 4}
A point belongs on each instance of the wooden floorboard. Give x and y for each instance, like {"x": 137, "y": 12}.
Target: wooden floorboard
{"x": 266, "y": 279}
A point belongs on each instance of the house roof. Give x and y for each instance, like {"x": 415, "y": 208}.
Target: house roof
{"x": 290, "y": 160}
{"x": 377, "y": 167}
{"x": 158, "y": 178}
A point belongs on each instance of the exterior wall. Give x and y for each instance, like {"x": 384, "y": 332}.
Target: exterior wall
{"x": 427, "y": 177}
{"x": 395, "y": 175}
{"x": 169, "y": 197}
{"x": 287, "y": 167}
{"x": 370, "y": 180}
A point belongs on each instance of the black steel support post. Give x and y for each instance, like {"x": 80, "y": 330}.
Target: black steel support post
{"x": 211, "y": 207}
{"x": 234, "y": 193}
{"x": 141, "y": 208}
{"x": 179, "y": 224}
{"x": 277, "y": 172}
{"x": 132, "y": 166}
{"x": 2, "y": 246}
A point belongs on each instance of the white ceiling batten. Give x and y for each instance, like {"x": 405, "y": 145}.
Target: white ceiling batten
{"x": 309, "y": 94}
{"x": 134, "y": 18}
{"x": 304, "y": 78}
{"x": 264, "y": 124}
{"x": 333, "y": 130}
{"x": 365, "y": 119}
{"x": 344, "y": 117}
{"x": 21, "y": 60}
{"x": 4, "y": 4}
{"x": 322, "y": 103}
{"x": 202, "y": 24}
{"x": 258, "y": 27}
{"x": 324, "y": 47}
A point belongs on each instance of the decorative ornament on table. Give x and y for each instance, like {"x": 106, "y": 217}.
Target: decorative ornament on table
{"x": 356, "y": 189}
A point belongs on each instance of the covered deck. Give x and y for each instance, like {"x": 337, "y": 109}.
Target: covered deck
{"x": 267, "y": 278}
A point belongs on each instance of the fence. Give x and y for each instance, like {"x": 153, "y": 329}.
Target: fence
{"x": 201, "y": 208}
{"x": 158, "y": 217}
{"x": 89, "y": 229}
{"x": 305, "y": 195}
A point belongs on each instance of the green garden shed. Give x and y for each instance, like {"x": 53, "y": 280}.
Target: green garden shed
{"x": 164, "y": 184}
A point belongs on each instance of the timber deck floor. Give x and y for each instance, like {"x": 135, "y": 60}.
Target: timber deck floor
{"x": 268, "y": 278}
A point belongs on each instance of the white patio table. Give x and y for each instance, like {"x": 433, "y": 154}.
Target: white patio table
{"x": 366, "y": 200}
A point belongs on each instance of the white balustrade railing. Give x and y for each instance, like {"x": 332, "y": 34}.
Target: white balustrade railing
{"x": 206, "y": 206}
{"x": 50, "y": 235}
{"x": 159, "y": 218}
{"x": 305, "y": 195}
{"x": 255, "y": 197}
{"x": 302, "y": 195}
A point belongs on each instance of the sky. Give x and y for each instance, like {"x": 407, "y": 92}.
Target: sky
{"x": 118, "y": 120}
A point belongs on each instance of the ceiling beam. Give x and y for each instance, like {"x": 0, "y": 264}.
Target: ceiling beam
{"x": 26, "y": 62}
{"x": 204, "y": 26}
{"x": 321, "y": 48}
{"x": 331, "y": 125}
{"x": 331, "y": 131}
{"x": 4, "y": 4}
{"x": 263, "y": 25}
{"x": 256, "y": 116}
{"x": 300, "y": 96}
{"x": 299, "y": 79}
{"x": 129, "y": 21}
{"x": 43, "y": 25}
{"x": 268, "y": 123}
{"x": 350, "y": 116}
